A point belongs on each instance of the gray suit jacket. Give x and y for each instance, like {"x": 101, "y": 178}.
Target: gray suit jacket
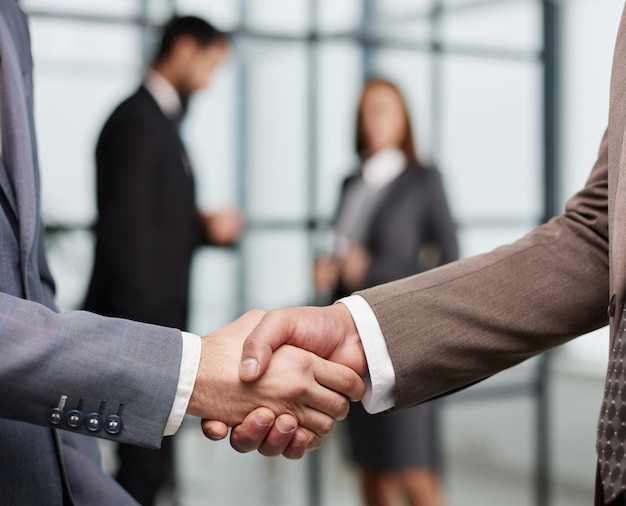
{"x": 463, "y": 322}
{"x": 412, "y": 214}
{"x": 45, "y": 355}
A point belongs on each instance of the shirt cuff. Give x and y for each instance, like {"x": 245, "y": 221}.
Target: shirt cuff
{"x": 189, "y": 363}
{"x": 381, "y": 378}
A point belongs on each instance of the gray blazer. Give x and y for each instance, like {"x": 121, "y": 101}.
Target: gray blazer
{"x": 99, "y": 364}
{"x": 465, "y": 321}
{"x": 412, "y": 214}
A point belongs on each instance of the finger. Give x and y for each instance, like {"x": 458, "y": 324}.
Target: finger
{"x": 339, "y": 378}
{"x": 281, "y": 436}
{"x": 249, "y": 436}
{"x": 302, "y": 441}
{"x": 268, "y": 335}
{"x": 214, "y": 430}
{"x": 318, "y": 421}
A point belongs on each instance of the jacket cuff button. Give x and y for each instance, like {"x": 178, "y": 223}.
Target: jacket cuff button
{"x": 113, "y": 425}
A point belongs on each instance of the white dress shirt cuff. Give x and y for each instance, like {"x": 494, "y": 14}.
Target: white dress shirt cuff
{"x": 381, "y": 378}
{"x": 188, "y": 371}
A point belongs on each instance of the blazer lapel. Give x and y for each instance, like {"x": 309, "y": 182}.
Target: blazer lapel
{"x": 19, "y": 179}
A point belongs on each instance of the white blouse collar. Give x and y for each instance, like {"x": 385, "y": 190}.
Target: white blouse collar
{"x": 383, "y": 167}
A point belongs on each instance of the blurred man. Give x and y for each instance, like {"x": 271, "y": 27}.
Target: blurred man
{"x": 149, "y": 225}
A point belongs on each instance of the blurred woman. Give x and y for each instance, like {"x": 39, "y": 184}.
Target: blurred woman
{"x": 393, "y": 221}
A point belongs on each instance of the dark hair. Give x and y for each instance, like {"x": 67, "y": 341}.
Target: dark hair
{"x": 201, "y": 31}
{"x": 406, "y": 145}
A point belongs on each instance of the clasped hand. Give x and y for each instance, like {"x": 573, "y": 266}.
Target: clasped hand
{"x": 279, "y": 379}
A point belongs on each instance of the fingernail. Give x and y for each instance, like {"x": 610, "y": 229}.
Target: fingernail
{"x": 263, "y": 420}
{"x": 285, "y": 427}
{"x": 249, "y": 368}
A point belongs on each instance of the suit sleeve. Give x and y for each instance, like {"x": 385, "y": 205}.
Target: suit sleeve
{"x": 460, "y": 323}
{"x": 45, "y": 355}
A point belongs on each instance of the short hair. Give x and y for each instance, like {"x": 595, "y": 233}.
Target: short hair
{"x": 200, "y": 30}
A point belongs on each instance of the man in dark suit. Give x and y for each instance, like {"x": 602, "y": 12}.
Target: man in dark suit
{"x": 149, "y": 226}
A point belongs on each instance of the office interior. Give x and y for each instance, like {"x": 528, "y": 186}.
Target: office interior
{"x": 509, "y": 99}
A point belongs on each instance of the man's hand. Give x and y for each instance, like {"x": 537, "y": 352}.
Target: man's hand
{"x": 223, "y": 228}
{"x": 296, "y": 383}
{"x": 329, "y": 332}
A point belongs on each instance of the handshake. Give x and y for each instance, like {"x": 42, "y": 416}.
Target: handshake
{"x": 279, "y": 379}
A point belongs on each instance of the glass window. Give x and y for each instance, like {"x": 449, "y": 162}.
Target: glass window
{"x": 585, "y": 85}
{"x": 278, "y": 16}
{"x": 491, "y": 137}
{"x": 81, "y": 72}
{"x": 277, "y": 118}
{"x": 337, "y": 103}
{"x": 213, "y": 291}
{"x": 402, "y": 9}
{"x": 279, "y": 265}
{"x": 209, "y": 134}
{"x": 110, "y": 7}
{"x": 514, "y": 24}
{"x": 333, "y": 16}
{"x": 225, "y": 14}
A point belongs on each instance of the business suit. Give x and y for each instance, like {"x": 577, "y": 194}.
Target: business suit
{"x": 148, "y": 229}
{"x": 148, "y": 226}
{"x": 413, "y": 213}
{"x": 473, "y": 318}
{"x": 45, "y": 355}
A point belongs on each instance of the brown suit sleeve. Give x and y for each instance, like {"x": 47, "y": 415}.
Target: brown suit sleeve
{"x": 460, "y": 323}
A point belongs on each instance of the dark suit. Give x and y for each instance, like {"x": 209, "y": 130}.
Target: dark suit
{"x": 148, "y": 225}
{"x": 45, "y": 355}
{"x": 412, "y": 214}
{"x": 148, "y": 229}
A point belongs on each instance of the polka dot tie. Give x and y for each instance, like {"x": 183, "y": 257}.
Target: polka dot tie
{"x": 612, "y": 423}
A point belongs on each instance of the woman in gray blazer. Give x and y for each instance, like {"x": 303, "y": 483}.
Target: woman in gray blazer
{"x": 393, "y": 221}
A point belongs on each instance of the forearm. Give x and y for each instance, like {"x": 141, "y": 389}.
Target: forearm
{"x": 455, "y": 325}
{"x": 45, "y": 355}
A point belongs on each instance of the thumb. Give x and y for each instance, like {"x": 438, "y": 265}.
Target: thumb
{"x": 267, "y": 336}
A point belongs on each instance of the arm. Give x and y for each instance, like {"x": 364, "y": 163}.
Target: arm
{"x": 45, "y": 356}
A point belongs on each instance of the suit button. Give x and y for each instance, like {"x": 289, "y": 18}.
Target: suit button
{"x": 74, "y": 418}
{"x": 610, "y": 311}
{"x": 113, "y": 425}
{"x": 55, "y": 416}
{"x": 93, "y": 422}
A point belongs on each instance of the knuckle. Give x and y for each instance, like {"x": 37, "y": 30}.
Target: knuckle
{"x": 255, "y": 313}
{"x": 326, "y": 426}
{"x": 343, "y": 406}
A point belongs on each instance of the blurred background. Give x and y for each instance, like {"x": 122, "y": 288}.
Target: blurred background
{"x": 509, "y": 99}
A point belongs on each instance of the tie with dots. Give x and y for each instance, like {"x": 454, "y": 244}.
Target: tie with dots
{"x": 612, "y": 423}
